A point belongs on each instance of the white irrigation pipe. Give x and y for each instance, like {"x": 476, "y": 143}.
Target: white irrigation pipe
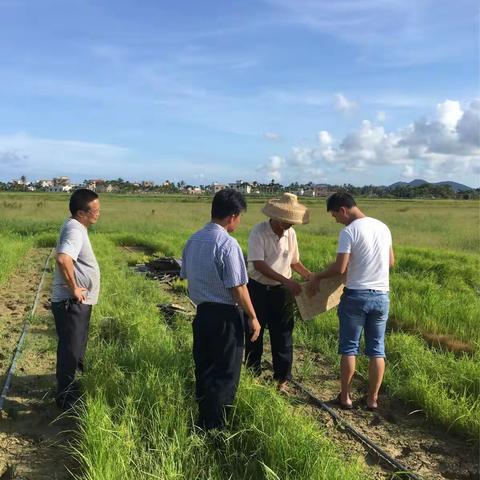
{"x": 21, "y": 340}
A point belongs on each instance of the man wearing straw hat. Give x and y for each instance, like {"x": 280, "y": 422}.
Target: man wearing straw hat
{"x": 272, "y": 255}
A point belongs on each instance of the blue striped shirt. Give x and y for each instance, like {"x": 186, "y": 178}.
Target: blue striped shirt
{"x": 213, "y": 263}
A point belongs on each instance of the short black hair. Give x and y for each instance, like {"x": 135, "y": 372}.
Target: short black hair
{"x": 80, "y": 199}
{"x": 228, "y": 202}
{"x": 338, "y": 200}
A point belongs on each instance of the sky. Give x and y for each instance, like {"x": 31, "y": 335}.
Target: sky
{"x": 344, "y": 91}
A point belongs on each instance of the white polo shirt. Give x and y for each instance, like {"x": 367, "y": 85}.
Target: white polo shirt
{"x": 279, "y": 253}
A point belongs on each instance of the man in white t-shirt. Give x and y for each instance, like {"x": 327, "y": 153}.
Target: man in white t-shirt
{"x": 365, "y": 253}
{"x": 272, "y": 256}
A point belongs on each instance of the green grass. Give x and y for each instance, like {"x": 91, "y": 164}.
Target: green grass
{"x": 12, "y": 248}
{"x": 140, "y": 404}
{"x": 138, "y": 418}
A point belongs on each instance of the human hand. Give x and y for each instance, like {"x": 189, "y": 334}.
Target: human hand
{"x": 80, "y": 294}
{"x": 312, "y": 286}
{"x": 310, "y": 276}
{"x": 294, "y": 287}
{"x": 255, "y": 328}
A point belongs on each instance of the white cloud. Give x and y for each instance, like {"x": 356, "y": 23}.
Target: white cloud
{"x": 381, "y": 116}
{"x": 343, "y": 104}
{"x": 273, "y": 167}
{"x": 272, "y": 136}
{"x": 390, "y": 32}
{"x": 47, "y": 157}
{"x": 409, "y": 172}
{"x": 324, "y": 138}
{"x": 449, "y": 113}
{"x": 447, "y": 145}
{"x": 468, "y": 126}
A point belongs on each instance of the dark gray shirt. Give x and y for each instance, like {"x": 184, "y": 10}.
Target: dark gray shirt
{"x": 75, "y": 243}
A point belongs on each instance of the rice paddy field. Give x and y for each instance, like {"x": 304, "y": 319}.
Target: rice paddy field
{"x": 137, "y": 420}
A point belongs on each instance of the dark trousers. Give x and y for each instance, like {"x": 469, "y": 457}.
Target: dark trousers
{"x": 72, "y": 320}
{"x": 217, "y": 351}
{"x": 273, "y": 306}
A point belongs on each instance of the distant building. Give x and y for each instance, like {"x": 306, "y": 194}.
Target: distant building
{"x": 216, "y": 187}
{"x": 61, "y": 181}
{"x": 193, "y": 190}
{"x": 61, "y": 188}
{"x": 45, "y": 183}
{"x": 242, "y": 187}
{"x": 104, "y": 188}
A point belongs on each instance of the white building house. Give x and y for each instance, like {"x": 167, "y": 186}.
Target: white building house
{"x": 242, "y": 187}
{"x": 216, "y": 187}
{"x": 61, "y": 188}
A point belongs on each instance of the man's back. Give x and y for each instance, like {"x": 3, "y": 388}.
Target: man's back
{"x": 368, "y": 242}
{"x": 212, "y": 262}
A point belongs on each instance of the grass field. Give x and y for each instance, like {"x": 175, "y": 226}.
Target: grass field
{"x": 138, "y": 416}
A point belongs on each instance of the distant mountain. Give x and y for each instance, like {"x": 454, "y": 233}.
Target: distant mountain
{"x": 457, "y": 187}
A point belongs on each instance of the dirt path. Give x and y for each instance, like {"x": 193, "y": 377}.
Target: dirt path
{"x": 403, "y": 433}
{"x": 31, "y": 438}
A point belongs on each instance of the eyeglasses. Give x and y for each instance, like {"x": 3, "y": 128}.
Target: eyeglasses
{"x": 93, "y": 212}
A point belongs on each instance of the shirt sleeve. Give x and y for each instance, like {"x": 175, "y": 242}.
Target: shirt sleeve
{"x": 294, "y": 246}
{"x": 256, "y": 246}
{"x": 183, "y": 269}
{"x": 70, "y": 243}
{"x": 344, "y": 242}
{"x": 234, "y": 269}
{"x": 390, "y": 238}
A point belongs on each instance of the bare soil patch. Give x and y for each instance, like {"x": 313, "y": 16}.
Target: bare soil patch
{"x": 32, "y": 435}
{"x": 436, "y": 340}
{"x": 404, "y": 433}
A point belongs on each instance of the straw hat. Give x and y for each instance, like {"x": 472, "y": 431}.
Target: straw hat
{"x": 287, "y": 209}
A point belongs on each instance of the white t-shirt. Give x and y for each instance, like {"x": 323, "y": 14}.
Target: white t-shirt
{"x": 75, "y": 243}
{"x": 278, "y": 253}
{"x": 368, "y": 242}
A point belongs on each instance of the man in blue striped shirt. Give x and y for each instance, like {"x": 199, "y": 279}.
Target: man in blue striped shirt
{"x": 214, "y": 266}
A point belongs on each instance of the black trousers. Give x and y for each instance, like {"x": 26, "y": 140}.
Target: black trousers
{"x": 72, "y": 321}
{"x": 274, "y": 309}
{"x": 218, "y": 341}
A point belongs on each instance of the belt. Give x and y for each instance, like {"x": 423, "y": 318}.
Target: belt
{"x": 216, "y": 305}
{"x": 369, "y": 290}
{"x": 268, "y": 288}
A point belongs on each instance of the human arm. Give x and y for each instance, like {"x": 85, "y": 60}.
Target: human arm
{"x": 300, "y": 268}
{"x": 65, "y": 266}
{"x": 339, "y": 267}
{"x": 242, "y": 297}
{"x": 262, "y": 267}
{"x": 391, "y": 259}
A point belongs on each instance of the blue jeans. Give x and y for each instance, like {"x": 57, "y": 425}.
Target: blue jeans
{"x": 365, "y": 310}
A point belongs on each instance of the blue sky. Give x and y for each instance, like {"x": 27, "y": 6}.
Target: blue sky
{"x": 358, "y": 91}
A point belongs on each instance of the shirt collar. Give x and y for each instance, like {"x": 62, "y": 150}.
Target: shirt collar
{"x": 271, "y": 232}
{"x": 214, "y": 226}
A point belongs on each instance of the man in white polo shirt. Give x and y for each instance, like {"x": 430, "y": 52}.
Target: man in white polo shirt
{"x": 365, "y": 253}
{"x": 272, "y": 255}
